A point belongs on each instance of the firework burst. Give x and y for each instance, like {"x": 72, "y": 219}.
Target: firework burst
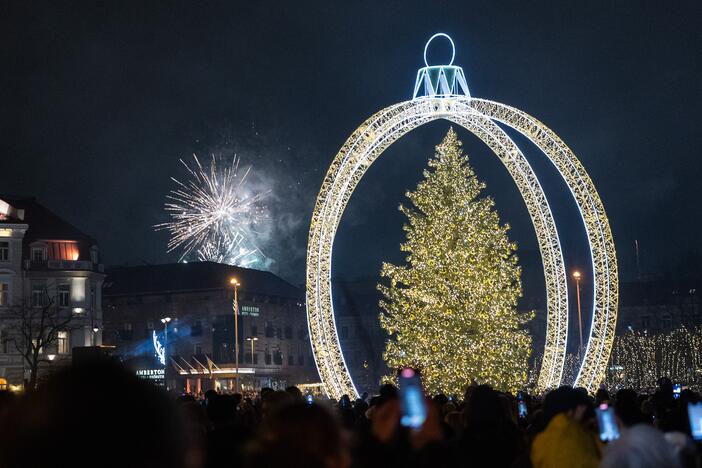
{"x": 214, "y": 214}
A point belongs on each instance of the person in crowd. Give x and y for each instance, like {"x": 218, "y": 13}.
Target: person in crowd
{"x": 295, "y": 393}
{"x": 565, "y": 440}
{"x": 96, "y": 414}
{"x": 601, "y": 396}
{"x": 273, "y": 401}
{"x": 640, "y": 446}
{"x": 299, "y": 435}
{"x": 116, "y": 419}
{"x": 628, "y": 408}
{"x": 489, "y": 437}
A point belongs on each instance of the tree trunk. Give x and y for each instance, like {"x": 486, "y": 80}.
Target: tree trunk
{"x": 33, "y": 373}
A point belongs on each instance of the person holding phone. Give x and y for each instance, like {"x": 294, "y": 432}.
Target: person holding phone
{"x": 490, "y": 437}
{"x": 392, "y": 440}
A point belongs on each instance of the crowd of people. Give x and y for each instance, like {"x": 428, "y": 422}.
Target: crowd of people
{"x": 102, "y": 415}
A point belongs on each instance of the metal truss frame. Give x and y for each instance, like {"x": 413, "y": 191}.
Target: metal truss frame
{"x": 478, "y": 116}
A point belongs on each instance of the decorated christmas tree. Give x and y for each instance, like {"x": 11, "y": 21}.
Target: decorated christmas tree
{"x": 450, "y": 310}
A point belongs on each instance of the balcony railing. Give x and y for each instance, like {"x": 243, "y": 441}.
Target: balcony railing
{"x": 83, "y": 265}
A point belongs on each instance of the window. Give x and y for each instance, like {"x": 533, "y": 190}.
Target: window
{"x": 126, "y": 332}
{"x": 37, "y": 297}
{"x": 270, "y": 331}
{"x": 254, "y": 330}
{"x": 279, "y": 333}
{"x": 301, "y": 360}
{"x": 277, "y": 358}
{"x": 4, "y": 293}
{"x": 268, "y": 356}
{"x": 196, "y": 330}
{"x": 197, "y": 349}
{"x": 288, "y": 333}
{"x": 64, "y": 295}
{"x": 34, "y": 343}
{"x": 63, "y": 343}
{"x": 666, "y": 322}
{"x": 291, "y": 360}
{"x": 37, "y": 254}
{"x": 645, "y": 322}
{"x": 4, "y": 251}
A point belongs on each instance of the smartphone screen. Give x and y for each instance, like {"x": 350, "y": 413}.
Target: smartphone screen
{"x": 676, "y": 390}
{"x": 694, "y": 414}
{"x": 414, "y": 410}
{"x": 605, "y": 420}
{"x": 522, "y": 410}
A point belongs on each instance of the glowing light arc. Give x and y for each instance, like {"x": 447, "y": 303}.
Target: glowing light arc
{"x": 478, "y": 116}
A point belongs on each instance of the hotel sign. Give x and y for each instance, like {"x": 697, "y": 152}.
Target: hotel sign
{"x": 151, "y": 374}
{"x": 249, "y": 310}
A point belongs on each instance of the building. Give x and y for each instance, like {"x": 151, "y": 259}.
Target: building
{"x": 49, "y": 269}
{"x": 361, "y": 337}
{"x": 658, "y": 306}
{"x": 187, "y": 308}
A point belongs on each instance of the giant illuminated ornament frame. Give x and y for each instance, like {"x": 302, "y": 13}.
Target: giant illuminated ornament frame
{"x": 441, "y": 92}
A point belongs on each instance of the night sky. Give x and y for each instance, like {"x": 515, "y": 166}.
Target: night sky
{"x": 99, "y": 101}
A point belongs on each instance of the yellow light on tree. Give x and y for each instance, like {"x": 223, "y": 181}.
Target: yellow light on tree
{"x": 451, "y": 310}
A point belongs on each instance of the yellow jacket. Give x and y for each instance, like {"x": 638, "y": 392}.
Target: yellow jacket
{"x": 564, "y": 443}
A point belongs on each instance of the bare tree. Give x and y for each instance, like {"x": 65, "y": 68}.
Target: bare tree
{"x": 34, "y": 328}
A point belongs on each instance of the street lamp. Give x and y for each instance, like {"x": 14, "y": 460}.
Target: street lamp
{"x": 51, "y": 357}
{"x": 235, "y": 305}
{"x": 165, "y": 321}
{"x": 95, "y": 332}
{"x": 252, "y": 339}
{"x": 577, "y": 275}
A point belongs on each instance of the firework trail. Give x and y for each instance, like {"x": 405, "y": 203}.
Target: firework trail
{"x": 213, "y": 214}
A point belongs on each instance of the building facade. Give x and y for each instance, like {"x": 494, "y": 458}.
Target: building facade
{"x": 186, "y": 309}
{"x": 360, "y": 334}
{"x": 658, "y": 306}
{"x": 48, "y": 269}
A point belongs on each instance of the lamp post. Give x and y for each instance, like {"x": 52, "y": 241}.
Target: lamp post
{"x": 252, "y": 339}
{"x": 165, "y": 321}
{"x": 235, "y": 306}
{"x": 95, "y": 332}
{"x": 577, "y": 275}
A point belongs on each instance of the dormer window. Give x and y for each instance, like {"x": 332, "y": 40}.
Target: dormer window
{"x": 38, "y": 254}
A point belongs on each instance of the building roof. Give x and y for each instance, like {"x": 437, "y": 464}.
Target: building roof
{"x": 193, "y": 276}
{"x": 43, "y": 223}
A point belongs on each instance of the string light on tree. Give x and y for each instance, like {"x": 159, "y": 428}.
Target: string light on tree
{"x": 451, "y": 310}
